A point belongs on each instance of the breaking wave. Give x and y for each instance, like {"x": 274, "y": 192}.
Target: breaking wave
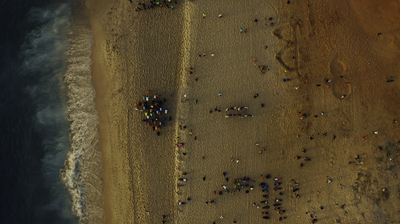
{"x": 58, "y": 52}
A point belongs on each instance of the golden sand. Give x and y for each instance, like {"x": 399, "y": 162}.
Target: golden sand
{"x": 328, "y": 50}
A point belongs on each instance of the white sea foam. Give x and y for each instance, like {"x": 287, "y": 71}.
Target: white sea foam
{"x": 57, "y": 54}
{"x": 83, "y": 167}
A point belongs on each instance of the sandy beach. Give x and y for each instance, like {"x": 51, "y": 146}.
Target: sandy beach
{"x": 315, "y": 78}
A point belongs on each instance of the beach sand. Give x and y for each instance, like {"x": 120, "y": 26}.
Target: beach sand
{"x": 309, "y": 43}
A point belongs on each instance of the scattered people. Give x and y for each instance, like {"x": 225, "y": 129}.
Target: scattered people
{"x": 154, "y": 111}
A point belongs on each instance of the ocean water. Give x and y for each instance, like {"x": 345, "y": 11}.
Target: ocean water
{"x": 50, "y": 164}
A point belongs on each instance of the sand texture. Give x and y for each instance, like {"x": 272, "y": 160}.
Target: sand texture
{"x": 337, "y": 69}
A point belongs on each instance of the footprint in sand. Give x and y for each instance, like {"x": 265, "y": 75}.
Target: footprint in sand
{"x": 339, "y": 83}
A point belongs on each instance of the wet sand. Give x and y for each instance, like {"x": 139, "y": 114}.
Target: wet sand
{"x": 309, "y": 43}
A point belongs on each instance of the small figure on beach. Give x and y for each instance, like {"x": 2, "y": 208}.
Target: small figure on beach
{"x": 220, "y": 15}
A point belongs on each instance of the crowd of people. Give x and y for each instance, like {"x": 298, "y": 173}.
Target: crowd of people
{"x": 141, "y": 5}
{"x": 155, "y": 115}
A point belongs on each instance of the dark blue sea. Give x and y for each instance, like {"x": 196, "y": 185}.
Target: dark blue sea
{"x": 35, "y": 128}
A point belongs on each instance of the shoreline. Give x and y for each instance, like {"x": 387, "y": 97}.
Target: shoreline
{"x": 100, "y": 82}
{"x": 82, "y": 173}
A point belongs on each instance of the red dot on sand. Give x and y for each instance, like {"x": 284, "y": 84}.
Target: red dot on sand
{"x": 148, "y": 91}
{"x": 202, "y": 157}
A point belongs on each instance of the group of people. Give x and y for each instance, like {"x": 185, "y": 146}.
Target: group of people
{"x": 155, "y": 4}
{"x": 276, "y": 204}
{"x": 246, "y": 184}
{"x": 237, "y": 112}
{"x": 155, "y": 115}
